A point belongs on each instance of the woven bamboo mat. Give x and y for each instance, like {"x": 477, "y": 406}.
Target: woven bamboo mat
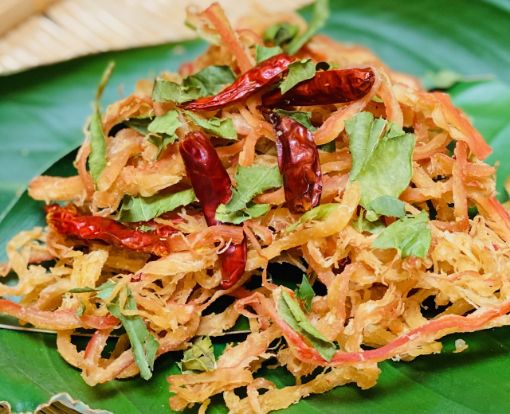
{"x": 39, "y": 32}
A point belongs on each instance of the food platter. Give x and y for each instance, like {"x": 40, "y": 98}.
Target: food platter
{"x": 44, "y": 108}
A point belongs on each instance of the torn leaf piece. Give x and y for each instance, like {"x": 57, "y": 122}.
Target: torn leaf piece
{"x": 304, "y": 118}
{"x": 411, "y": 236}
{"x": 146, "y": 208}
{"x": 317, "y": 213}
{"x": 250, "y": 182}
{"x": 223, "y": 128}
{"x": 298, "y": 72}
{"x": 262, "y": 52}
{"x": 381, "y": 157}
{"x": 388, "y": 206}
{"x": 305, "y": 293}
{"x": 206, "y": 82}
{"x": 198, "y": 358}
{"x": 165, "y": 124}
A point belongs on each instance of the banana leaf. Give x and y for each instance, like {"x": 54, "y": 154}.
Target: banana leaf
{"x": 41, "y": 116}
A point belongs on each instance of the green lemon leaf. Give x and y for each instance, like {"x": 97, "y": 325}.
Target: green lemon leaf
{"x": 319, "y": 18}
{"x": 290, "y": 311}
{"x": 298, "y": 72}
{"x": 97, "y": 157}
{"x": 250, "y": 182}
{"x": 143, "y": 343}
{"x": 317, "y": 213}
{"x": 198, "y": 358}
{"x": 208, "y": 81}
{"x": 280, "y": 33}
{"x": 381, "y": 157}
{"x": 411, "y": 236}
{"x": 146, "y": 208}
{"x": 305, "y": 293}
{"x": 263, "y": 52}
{"x": 223, "y": 128}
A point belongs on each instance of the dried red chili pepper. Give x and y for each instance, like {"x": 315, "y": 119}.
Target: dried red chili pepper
{"x": 67, "y": 220}
{"x": 298, "y": 160}
{"x": 327, "y": 87}
{"x": 212, "y": 187}
{"x": 208, "y": 177}
{"x": 264, "y": 74}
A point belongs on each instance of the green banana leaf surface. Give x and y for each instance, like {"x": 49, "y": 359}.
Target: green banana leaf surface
{"x": 42, "y": 112}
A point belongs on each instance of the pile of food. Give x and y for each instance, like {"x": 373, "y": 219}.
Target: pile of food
{"x": 276, "y": 146}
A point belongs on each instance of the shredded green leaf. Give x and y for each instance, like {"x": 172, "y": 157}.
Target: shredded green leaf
{"x": 252, "y": 210}
{"x": 317, "y": 213}
{"x": 364, "y": 225}
{"x": 140, "y": 125}
{"x": 198, "y": 358}
{"x": 298, "y": 72}
{"x": 165, "y": 124}
{"x": 143, "y": 343}
{"x": 161, "y": 130}
{"x": 411, "y": 236}
{"x": 304, "y": 118}
{"x": 250, "y": 182}
{"x": 85, "y": 289}
{"x": 161, "y": 141}
{"x": 97, "y": 157}
{"x": 305, "y": 293}
{"x": 290, "y": 311}
{"x": 319, "y": 18}
{"x": 263, "y": 52}
{"x": 206, "y": 82}
{"x": 388, "y": 206}
{"x": 146, "y": 208}
{"x": 381, "y": 157}
{"x": 280, "y": 33}
{"x": 103, "y": 291}
{"x": 223, "y": 128}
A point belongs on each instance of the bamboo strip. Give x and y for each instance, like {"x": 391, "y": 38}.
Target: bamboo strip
{"x": 71, "y": 28}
